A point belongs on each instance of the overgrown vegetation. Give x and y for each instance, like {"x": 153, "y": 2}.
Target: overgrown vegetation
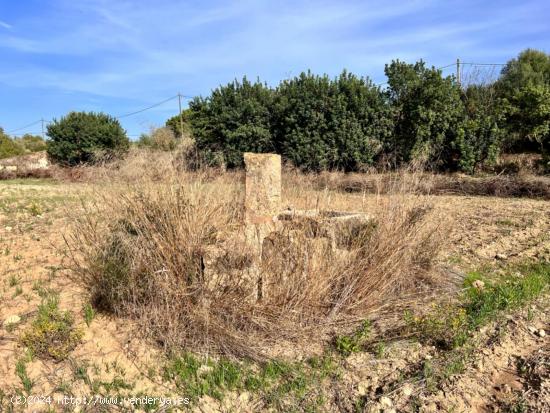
{"x": 172, "y": 255}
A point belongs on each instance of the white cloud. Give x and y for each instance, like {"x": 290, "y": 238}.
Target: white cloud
{"x": 5, "y": 25}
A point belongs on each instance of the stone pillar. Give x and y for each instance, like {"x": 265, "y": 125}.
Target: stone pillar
{"x": 262, "y": 204}
{"x": 263, "y": 187}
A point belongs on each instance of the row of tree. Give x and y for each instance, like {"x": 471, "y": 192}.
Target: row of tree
{"x": 347, "y": 123}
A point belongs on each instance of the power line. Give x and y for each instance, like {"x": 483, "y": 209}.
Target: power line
{"x": 25, "y": 127}
{"x": 147, "y": 108}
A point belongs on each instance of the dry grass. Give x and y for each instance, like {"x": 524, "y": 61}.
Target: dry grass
{"x": 166, "y": 248}
{"x": 528, "y": 186}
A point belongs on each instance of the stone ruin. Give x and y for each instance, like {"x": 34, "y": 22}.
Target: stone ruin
{"x": 279, "y": 240}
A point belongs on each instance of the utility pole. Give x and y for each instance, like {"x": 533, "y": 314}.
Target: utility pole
{"x": 458, "y": 71}
{"x": 42, "y": 122}
{"x": 181, "y": 116}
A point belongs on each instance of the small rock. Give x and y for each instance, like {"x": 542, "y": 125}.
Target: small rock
{"x": 501, "y": 257}
{"x": 506, "y": 388}
{"x": 532, "y": 329}
{"x": 479, "y": 365}
{"x": 431, "y": 408}
{"x": 386, "y": 401}
{"x": 407, "y": 390}
{"x": 478, "y": 285}
{"x": 8, "y": 229}
{"x": 541, "y": 333}
{"x": 12, "y": 319}
{"x": 428, "y": 357}
{"x": 363, "y": 388}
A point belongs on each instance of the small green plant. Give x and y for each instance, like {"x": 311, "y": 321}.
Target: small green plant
{"x": 52, "y": 333}
{"x": 35, "y": 209}
{"x": 379, "y": 350}
{"x": 89, "y": 314}
{"x": 445, "y": 325}
{"x": 18, "y": 291}
{"x": 21, "y": 371}
{"x": 346, "y": 345}
{"x": 14, "y": 280}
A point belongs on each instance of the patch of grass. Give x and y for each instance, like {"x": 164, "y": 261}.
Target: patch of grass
{"x": 346, "y": 345}
{"x": 35, "y": 209}
{"x": 18, "y": 291}
{"x": 21, "y": 371}
{"x": 14, "y": 280}
{"x": 450, "y": 325}
{"x": 505, "y": 293}
{"x": 280, "y": 384}
{"x": 52, "y": 333}
{"x": 89, "y": 314}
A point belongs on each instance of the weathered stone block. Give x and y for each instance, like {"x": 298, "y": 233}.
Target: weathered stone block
{"x": 263, "y": 187}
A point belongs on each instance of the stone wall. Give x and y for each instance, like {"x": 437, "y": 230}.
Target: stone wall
{"x": 30, "y": 162}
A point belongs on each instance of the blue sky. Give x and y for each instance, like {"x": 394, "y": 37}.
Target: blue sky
{"x": 119, "y": 56}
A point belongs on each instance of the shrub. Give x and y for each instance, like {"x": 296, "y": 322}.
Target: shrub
{"x": 479, "y": 139}
{"x": 81, "y": 137}
{"x": 171, "y": 254}
{"x": 233, "y": 120}
{"x": 428, "y": 113}
{"x": 321, "y": 123}
{"x": 159, "y": 138}
{"x": 524, "y": 86}
{"x": 52, "y": 333}
{"x": 175, "y": 124}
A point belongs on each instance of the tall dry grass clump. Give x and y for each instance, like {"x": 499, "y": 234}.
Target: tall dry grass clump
{"x": 171, "y": 255}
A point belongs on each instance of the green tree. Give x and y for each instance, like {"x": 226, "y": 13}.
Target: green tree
{"x": 428, "y": 113}
{"x": 523, "y": 86}
{"x": 323, "y": 123}
{"x": 234, "y": 119}
{"x": 9, "y": 147}
{"x": 81, "y": 136}
{"x": 480, "y": 136}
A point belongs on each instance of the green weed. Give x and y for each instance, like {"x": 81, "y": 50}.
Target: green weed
{"x": 52, "y": 333}
{"x": 21, "y": 371}
{"x": 89, "y": 314}
{"x": 346, "y": 345}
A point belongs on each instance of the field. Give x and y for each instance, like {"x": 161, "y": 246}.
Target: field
{"x": 411, "y": 360}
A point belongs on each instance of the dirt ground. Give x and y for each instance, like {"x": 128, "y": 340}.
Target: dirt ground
{"x": 486, "y": 231}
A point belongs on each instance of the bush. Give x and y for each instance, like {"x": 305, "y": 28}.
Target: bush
{"x": 428, "y": 112}
{"x": 175, "y": 124}
{"x": 80, "y": 137}
{"x": 235, "y": 119}
{"x": 322, "y": 123}
{"x": 524, "y": 86}
{"x": 479, "y": 139}
{"x": 52, "y": 333}
{"x": 160, "y": 139}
